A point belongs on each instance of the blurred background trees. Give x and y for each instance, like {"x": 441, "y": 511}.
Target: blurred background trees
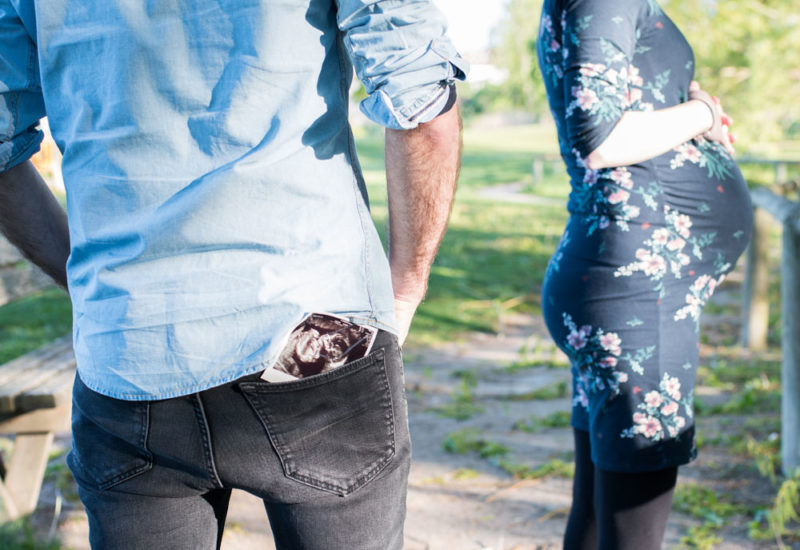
{"x": 747, "y": 53}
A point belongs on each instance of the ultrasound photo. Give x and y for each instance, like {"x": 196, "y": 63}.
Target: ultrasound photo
{"x": 320, "y": 343}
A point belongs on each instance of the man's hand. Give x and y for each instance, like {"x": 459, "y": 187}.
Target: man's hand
{"x": 33, "y": 220}
{"x": 421, "y": 171}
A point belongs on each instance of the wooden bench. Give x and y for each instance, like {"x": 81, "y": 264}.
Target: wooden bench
{"x": 35, "y": 395}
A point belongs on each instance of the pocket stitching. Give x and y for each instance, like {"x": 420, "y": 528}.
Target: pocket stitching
{"x": 285, "y": 455}
{"x": 344, "y": 370}
{"x": 145, "y": 455}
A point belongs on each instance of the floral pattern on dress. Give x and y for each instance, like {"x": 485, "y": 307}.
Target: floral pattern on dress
{"x": 701, "y": 290}
{"x": 659, "y": 415}
{"x": 594, "y": 354}
{"x": 668, "y": 250}
{"x": 555, "y": 261}
{"x": 706, "y": 154}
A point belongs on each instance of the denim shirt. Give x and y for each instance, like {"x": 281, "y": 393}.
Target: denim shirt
{"x": 213, "y": 191}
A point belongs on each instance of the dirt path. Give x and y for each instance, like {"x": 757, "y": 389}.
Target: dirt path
{"x": 463, "y": 501}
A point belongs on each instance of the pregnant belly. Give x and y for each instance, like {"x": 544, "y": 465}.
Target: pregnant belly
{"x": 701, "y": 181}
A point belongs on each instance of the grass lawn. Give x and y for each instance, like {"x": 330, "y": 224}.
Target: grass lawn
{"x": 492, "y": 260}
{"x": 494, "y": 254}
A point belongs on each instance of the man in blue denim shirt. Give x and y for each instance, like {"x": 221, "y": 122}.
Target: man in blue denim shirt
{"x": 214, "y": 198}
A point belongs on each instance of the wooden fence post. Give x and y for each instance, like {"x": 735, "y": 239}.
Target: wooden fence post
{"x": 538, "y": 170}
{"x": 790, "y": 369}
{"x": 755, "y": 308}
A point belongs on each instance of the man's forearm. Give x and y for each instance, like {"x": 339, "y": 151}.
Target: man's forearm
{"x": 33, "y": 220}
{"x": 421, "y": 169}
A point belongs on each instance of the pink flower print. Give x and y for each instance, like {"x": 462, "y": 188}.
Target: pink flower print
{"x": 576, "y": 339}
{"x": 683, "y": 259}
{"x": 676, "y": 244}
{"x": 631, "y": 211}
{"x": 653, "y": 264}
{"x": 619, "y": 174}
{"x": 591, "y": 69}
{"x": 590, "y": 177}
{"x": 608, "y": 362}
{"x": 610, "y": 341}
{"x": 633, "y": 76}
{"x": 672, "y": 430}
{"x": 611, "y": 75}
{"x": 676, "y": 163}
{"x": 692, "y": 153}
{"x": 679, "y": 421}
{"x": 634, "y": 95}
{"x": 622, "y": 377}
{"x": 653, "y": 399}
{"x": 682, "y": 225}
{"x": 618, "y": 196}
{"x": 669, "y": 409}
{"x": 660, "y": 236}
{"x": 586, "y": 98}
{"x": 701, "y": 282}
{"x": 648, "y": 426}
{"x": 639, "y": 418}
{"x": 672, "y": 386}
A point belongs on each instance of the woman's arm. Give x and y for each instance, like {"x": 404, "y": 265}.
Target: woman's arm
{"x": 642, "y": 135}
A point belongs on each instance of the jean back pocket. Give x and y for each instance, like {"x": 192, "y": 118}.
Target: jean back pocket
{"x": 109, "y": 438}
{"x": 333, "y": 431}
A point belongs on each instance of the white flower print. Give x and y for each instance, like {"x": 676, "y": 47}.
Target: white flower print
{"x": 665, "y": 251}
{"x": 699, "y": 292}
{"x": 704, "y": 154}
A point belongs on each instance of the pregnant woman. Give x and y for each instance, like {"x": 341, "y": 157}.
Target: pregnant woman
{"x": 659, "y": 214}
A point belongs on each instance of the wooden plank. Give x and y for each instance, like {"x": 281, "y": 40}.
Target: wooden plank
{"x": 755, "y": 308}
{"x": 33, "y": 359}
{"x": 31, "y": 378}
{"x": 26, "y": 470}
{"x": 56, "y": 420}
{"x": 16, "y": 283}
{"x": 781, "y": 208}
{"x": 10, "y": 511}
{"x": 55, "y": 391}
{"x": 790, "y": 369}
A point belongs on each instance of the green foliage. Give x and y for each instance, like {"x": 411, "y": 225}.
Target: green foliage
{"x": 33, "y": 321}
{"x": 494, "y": 255}
{"x": 470, "y": 440}
{"x": 463, "y": 406}
{"x": 556, "y": 390}
{"x": 517, "y": 53}
{"x": 769, "y": 524}
{"x": 703, "y": 503}
{"x": 19, "y": 535}
{"x": 557, "y": 419}
{"x": 465, "y": 474}
{"x": 555, "y": 467}
{"x": 746, "y": 54}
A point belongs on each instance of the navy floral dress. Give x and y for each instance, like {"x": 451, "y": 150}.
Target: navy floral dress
{"x": 645, "y": 245}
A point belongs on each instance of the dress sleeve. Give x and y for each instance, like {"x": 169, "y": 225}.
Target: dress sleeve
{"x": 599, "y": 39}
{"x": 21, "y": 103}
{"x": 401, "y": 54}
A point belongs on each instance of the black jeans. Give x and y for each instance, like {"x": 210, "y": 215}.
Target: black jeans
{"x": 329, "y": 455}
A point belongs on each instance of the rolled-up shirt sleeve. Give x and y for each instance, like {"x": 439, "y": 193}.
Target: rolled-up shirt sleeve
{"x": 403, "y": 58}
{"x": 21, "y": 103}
